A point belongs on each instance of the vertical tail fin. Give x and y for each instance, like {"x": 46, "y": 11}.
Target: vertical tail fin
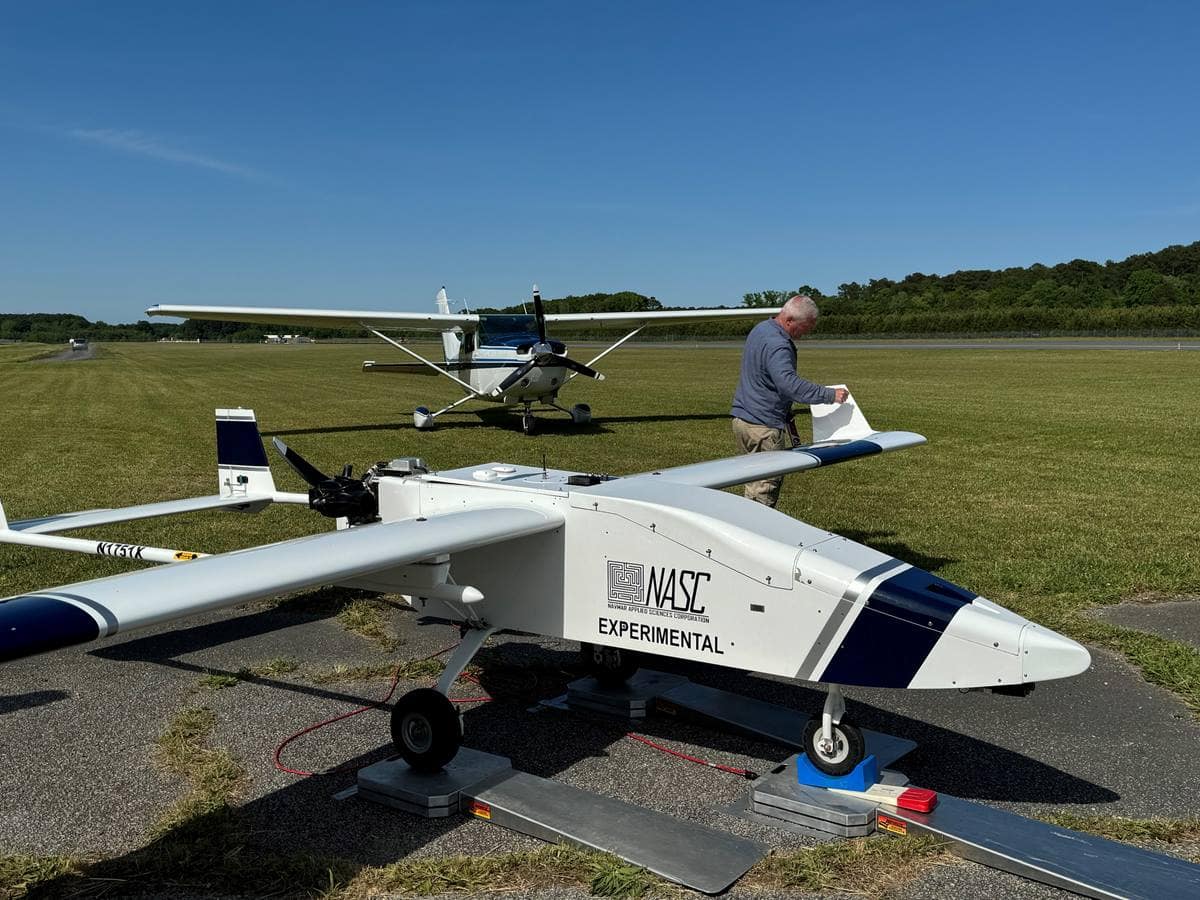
{"x": 241, "y": 459}
{"x": 452, "y": 339}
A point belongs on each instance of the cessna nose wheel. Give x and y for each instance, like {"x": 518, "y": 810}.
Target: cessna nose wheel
{"x": 426, "y": 729}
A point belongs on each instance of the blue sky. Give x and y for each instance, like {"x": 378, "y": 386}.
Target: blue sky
{"x": 361, "y": 155}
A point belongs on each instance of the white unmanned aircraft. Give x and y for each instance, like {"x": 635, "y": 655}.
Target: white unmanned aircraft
{"x": 505, "y": 359}
{"x": 661, "y": 562}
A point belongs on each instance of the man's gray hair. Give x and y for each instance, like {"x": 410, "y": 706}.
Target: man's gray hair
{"x": 801, "y": 306}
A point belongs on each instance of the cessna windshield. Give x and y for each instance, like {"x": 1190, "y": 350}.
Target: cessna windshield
{"x": 507, "y": 331}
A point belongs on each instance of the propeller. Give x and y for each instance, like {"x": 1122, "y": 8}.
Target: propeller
{"x": 543, "y": 354}
{"x": 336, "y": 496}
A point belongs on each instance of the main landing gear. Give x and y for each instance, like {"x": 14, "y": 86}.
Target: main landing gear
{"x": 832, "y": 745}
{"x": 580, "y": 413}
{"x": 611, "y": 666}
{"x": 426, "y": 727}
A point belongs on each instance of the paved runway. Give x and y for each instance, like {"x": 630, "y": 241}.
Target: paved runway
{"x": 78, "y": 729}
{"x": 1059, "y": 344}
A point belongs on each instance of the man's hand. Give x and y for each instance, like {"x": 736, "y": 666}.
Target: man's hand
{"x": 840, "y": 395}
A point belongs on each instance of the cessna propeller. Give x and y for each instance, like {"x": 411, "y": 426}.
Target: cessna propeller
{"x": 334, "y": 496}
{"x": 545, "y": 353}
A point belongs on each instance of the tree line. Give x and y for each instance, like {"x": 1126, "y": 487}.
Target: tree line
{"x": 1148, "y": 293}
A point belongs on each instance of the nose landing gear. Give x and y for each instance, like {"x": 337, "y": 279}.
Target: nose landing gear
{"x": 832, "y": 745}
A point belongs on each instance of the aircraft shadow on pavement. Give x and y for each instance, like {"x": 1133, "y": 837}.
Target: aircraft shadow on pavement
{"x": 14, "y": 702}
{"x": 303, "y": 820}
{"x": 311, "y": 606}
{"x": 518, "y": 675}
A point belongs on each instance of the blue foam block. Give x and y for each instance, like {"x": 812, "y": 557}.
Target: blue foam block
{"x": 861, "y": 777}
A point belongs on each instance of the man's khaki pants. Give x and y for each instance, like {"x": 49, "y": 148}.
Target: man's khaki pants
{"x": 752, "y": 438}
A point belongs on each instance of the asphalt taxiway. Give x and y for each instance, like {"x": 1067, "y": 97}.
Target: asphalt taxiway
{"x": 78, "y": 729}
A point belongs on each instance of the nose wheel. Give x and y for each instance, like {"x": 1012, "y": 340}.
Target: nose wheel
{"x": 833, "y": 745}
{"x": 839, "y": 753}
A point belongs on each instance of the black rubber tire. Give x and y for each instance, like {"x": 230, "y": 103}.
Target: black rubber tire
{"x": 426, "y": 729}
{"x": 528, "y": 424}
{"x": 849, "y": 747}
{"x": 611, "y": 666}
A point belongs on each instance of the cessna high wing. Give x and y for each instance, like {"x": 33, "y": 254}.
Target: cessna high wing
{"x": 503, "y": 359}
{"x": 657, "y": 563}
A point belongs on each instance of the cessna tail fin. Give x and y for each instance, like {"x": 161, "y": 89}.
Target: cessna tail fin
{"x": 839, "y": 421}
{"x": 452, "y": 338}
{"x": 241, "y": 459}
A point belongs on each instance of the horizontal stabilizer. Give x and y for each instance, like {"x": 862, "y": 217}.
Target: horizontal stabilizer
{"x": 88, "y": 610}
{"x": 416, "y": 368}
{"x": 69, "y": 521}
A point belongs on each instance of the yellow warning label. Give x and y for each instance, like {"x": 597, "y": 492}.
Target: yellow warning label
{"x": 185, "y": 555}
{"x": 482, "y": 810}
{"x": 888, "y": 823}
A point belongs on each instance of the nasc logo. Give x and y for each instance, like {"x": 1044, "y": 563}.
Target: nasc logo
{"x": 657, "y": 590}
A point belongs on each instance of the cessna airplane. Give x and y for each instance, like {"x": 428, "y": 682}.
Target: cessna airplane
{"x": 661, "y": 562}
{"x": 504, "y": 359}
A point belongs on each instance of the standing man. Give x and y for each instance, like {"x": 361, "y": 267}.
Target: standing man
{"x": 769, "y": 385}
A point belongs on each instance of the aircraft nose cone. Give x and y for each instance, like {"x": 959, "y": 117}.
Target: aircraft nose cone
{"x": 1045, "y": 655}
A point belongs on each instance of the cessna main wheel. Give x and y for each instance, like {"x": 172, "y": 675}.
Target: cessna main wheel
{"x": 611, "y": 666}
{"x": 426, "y": 729}
{"x": 846, "y": 750}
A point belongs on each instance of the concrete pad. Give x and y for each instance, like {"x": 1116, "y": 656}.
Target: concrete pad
{"x": 1177, "y": 620}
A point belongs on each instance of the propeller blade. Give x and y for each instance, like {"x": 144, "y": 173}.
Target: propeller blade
{"x": 579, "y": 367}
{"x": 539, "y": 313}
{"x": 312, "y": 475}
{"x": 514, "y": 377}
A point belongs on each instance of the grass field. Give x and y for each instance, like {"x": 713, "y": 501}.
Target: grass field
{"x": 1052, "y": 481}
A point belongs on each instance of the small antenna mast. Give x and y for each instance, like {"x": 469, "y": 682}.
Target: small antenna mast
{"x": 545, "y": 474}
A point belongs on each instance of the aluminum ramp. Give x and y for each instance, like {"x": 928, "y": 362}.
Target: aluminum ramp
{"x": 689, "y": 854}
{"x": 487, "y": 787}
{"x": 1084, "y": 863}
{"x": 1074, "y": 861}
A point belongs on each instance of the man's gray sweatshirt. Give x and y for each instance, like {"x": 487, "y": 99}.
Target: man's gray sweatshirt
{"x": 769, "y": 384}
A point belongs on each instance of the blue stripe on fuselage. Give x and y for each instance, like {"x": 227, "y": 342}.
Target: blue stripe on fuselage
{"x": 836, "y": 453}
{"x": 238, "y": 443}
{"x": 30, "y": 625}
{"x": 896, "y": 630}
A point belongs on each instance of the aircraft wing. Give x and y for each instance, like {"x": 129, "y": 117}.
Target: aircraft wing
{"x": 840, "y": 432}
{"x": 719, "y": 473}
{"x": 665, "y": 317}
{"x": 89, "y": 610}
{"x": 320, "y": 318}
